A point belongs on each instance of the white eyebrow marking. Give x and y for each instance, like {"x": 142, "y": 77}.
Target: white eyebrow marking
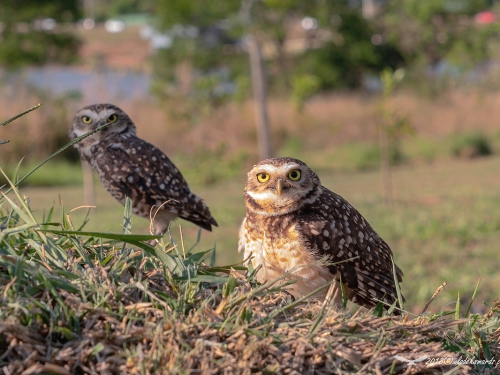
{"x": 271, "y": 169}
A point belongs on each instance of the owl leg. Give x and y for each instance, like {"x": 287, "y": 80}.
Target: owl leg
{"x": 334, "y": 294}
{"x": 160, "y": 227}
{"x": 161, "y": 220}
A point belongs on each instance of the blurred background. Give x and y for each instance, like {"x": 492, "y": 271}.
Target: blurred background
{"x": 395, "y": 104}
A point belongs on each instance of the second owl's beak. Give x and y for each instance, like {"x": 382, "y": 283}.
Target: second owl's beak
{"x": 279, "y": 187}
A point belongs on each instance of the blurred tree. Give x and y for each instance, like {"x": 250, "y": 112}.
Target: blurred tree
{"x": 308, "y": 45}
{"x": 392, "y": 127}
{"x": 105, "y": 9}
{"x": 130, "y": 6}
{"x": 429, "y": 31}
{"x": 352, "y": 51}
{"x": 28, "y": 34}
{"x": 329, "y": 40}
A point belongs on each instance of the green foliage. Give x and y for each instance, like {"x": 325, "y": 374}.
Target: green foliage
{"x": 429, "y": 31}
{"x": 106, "y": 9}
{"x": 339, "y": 52}
{"x": 192, "y": 12}
{"x": 340, "y": 60}
{"x": 391, "y": 128}
{"x": 22, "y": 42}
{"x": 343, "y": 61}
{"x": 303, "y": 87}
{"x": 470, "y": 145}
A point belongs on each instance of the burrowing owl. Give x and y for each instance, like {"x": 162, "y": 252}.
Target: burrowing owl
{"x": 292, "y": 222}
{"x": 131, "y": 167}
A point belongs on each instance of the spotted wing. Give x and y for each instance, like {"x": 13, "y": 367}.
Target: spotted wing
{"x": 137, "y": 169}
{"x": 331, "y": 226}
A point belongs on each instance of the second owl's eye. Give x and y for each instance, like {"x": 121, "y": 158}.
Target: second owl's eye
{"x": 86, "y": 119}
{"x": 262, "y": 177}
{"x": 112, "y": 118}
{"x": 294, "y": 175}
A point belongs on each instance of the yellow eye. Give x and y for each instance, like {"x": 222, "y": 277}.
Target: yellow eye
{"x": 86, "y": 119}
{"x": 112, "y": 118}
{"x": 294, "y": 175}
{"x": 262, "y": 177}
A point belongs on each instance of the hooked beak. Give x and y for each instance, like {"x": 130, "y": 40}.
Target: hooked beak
{"x": 100, "y": 124}
{"x": 279, "y": 187}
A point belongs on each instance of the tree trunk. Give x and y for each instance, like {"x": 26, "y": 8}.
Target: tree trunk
{"x": 260, "y": 98}
{"x": 385, "y": 165}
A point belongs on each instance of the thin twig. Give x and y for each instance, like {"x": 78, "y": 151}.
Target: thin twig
{"x": 438, "y": 290}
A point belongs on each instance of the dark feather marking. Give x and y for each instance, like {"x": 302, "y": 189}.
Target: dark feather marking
{"x": 131, "y": 179}
{"x": 313, "y": 216}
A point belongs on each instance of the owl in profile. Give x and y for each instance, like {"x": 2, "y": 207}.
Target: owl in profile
{"x": 131, "y": 167}
{"x": 293, "y": 222}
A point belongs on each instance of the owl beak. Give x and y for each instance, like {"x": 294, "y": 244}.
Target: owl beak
{"x": 101, "y": 123}
{"x": 279, "y": 187}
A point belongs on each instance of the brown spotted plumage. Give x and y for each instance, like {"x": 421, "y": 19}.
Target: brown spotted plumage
{"x": 131, "y": 167}
{"x": 292, "y": 223}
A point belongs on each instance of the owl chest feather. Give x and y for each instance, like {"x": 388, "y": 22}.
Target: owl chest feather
{"x": 277, "y": 246}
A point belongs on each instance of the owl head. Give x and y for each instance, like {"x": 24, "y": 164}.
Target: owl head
{"x": 277, "y": 186}
{"x": 96, "y": 115}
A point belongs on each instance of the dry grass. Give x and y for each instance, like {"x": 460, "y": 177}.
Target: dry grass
{"x": 75, "y": 303}
{"x": 147, "y": 339}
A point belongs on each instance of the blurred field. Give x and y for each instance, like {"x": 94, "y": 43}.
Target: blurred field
{"x": 445, "y": 224}
{"x": 228, "y": 132}
{"x": 125, "y": 50}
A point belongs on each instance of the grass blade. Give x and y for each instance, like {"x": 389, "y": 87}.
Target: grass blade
{"x": 20, "y": 115}
{"x": 110, "y": 236}
{"x": 457, "y": 307}
{"x": 472, "y": 299}
{"x": 18, "y": 210}
{"x": 127, "y": 216}
{"x": 66, "y": 146}
{"x": 14, "y": 175}
{"x": 396, "y": 283}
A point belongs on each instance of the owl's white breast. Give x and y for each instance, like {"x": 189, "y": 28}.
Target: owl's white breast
{"x": 278, "y": 255}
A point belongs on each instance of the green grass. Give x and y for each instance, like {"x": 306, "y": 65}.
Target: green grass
{"x": 208, "y": 167}
{"x": 361, "y": 156}
{"x": 78, "y": 295}
{"x": 57, "y": 173}
{"x": 72, "y": 301}
{"x": 443, "y": 227}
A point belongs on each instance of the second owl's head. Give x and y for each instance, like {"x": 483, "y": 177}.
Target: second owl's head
{"x": 280, "y": 185}
{"x": 97, "y": 115}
